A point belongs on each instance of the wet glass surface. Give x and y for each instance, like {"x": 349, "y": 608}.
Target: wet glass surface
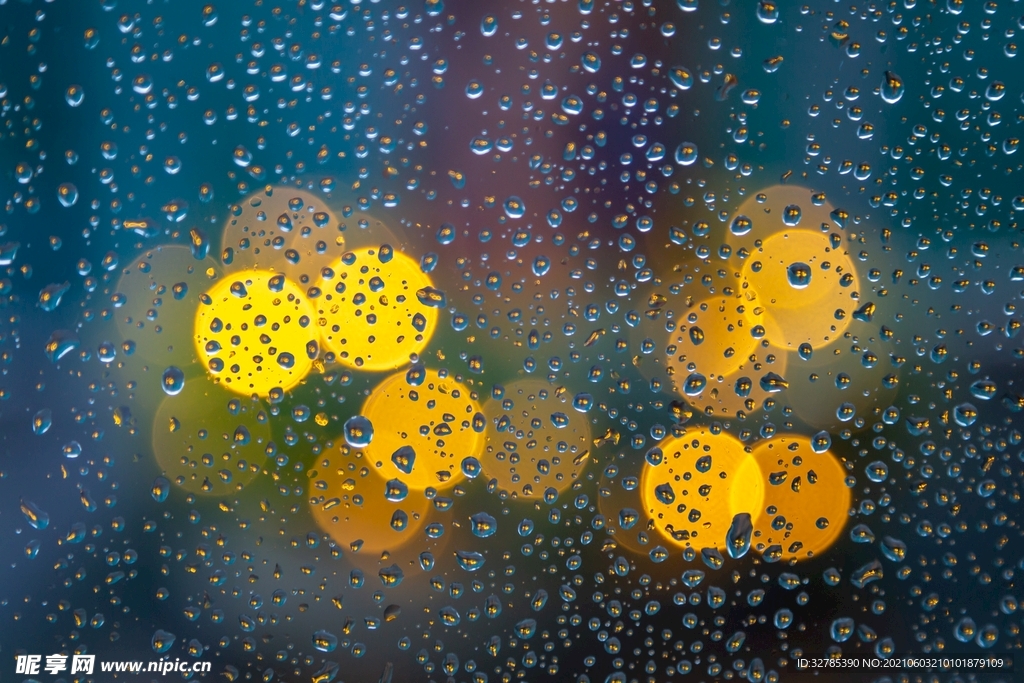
{"x": 495, "y": 341}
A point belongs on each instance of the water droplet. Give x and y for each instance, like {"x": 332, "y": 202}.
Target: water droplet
{"x": 842, "y": 629}
{"x": 741, "y": 225}
{"x": 862, "y": 533}
{"x": 865, "y": 574}
{"x": 783, "y": 618}
{"x": 358, "y": 432}
{"x": 37, "y": 518}
{"x": 404, "y": 459}
{"x": 42, "y": 421}
{"x": 686, "y": 153}
{"x": 799, "y": 275}
{"x": 173, "y": 381}
{"x": 892, "y": 87}
{"x": 591, "y": 62}
{"x": 893, "y": 549}
{"x": 877, "y": 471}
{"x": 67, "y": 194}
{"x": 712, "y": 558}
{"x": 51, "y": 295}
{"x": 583, "y": 402}
{"x": 325, "y": 641}
{"x": 695, "y": 384}
{"x": 965, "y": 414}
{"x": 767, "y": 11}
{"x": 681, "y": 77}
{"x": 965, "y": 630}
{"x": 846, "y": 412}
{"x": 514, "y": 207}
{"x": 61, "y": 343}
{"x": 483, "y": 525}
{"x": 469, "y": 560}
{"x": 160, "y": 490}
{"x": 471, "y": 467}
{"x": 737, "y": 538}
{"x": 395, "y": 491}
{"x": 162, "y": 641}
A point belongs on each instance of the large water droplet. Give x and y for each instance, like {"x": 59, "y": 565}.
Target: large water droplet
{"x": 469, "y": 560}
{"x": 173, "y": 381}
{"x": 686, "y": 153}
{"x": 67, "y": 194}
{"x": 799, "y": 275}
{"x": 965, "y": 630}
{"x": 842, "y": 629}
{"x": 877, "y": 471}
{"x": 681, "y": 77}
{"x": 767, "y": 11}
{"x": 892, "y": 87}
{"x": 741, "y": 225}
{"x": 483, "y": 525}
{"x": 325, "y": 641}
{"x": 737, "y": 538}
{"x": 893, "y": 549}
{"x": 514, "y": 207}
{"x": 61, "y": 343}
{"x": 42, "y": 421}
{"x": 783, "y": 618}
{"x": 160, "y": 490}
{"x": 162, "y": 641}
{"x": 358, "y": 431}
{"x": 36, "y": 517}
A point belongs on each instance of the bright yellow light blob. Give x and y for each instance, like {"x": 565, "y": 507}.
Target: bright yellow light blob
{"x": 703, "y": 481}
{"x": 434, "y": 419}
{"x": 369, "y": 314}
{"x": 799, "y": 288}
{"x": 713, "y": 337}
{"x": 157, "y": 296}
{"x": 806, "y": 500}
{"x": 257, "y": 333}
{"x": 207, "y": 440}
{"x": 347, "y": 501}
{"x": 282, "y": 229}
{"x": 525, "y": 451}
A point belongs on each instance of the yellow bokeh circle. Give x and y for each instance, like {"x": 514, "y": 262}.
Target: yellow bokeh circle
{"x": 369, "y": 314}
{"x": 208, "y": 440}
{"x": 713, "y": 337}
{"x": 703, "y": 481}
{"x": 255, "y": 331}
{"x": 806, "y": 500}
{"x": 815, "y": 308}
{"x": 438, "y": 419}
{"x": 347, "y": 501}
{"x": 535, "y": 440}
